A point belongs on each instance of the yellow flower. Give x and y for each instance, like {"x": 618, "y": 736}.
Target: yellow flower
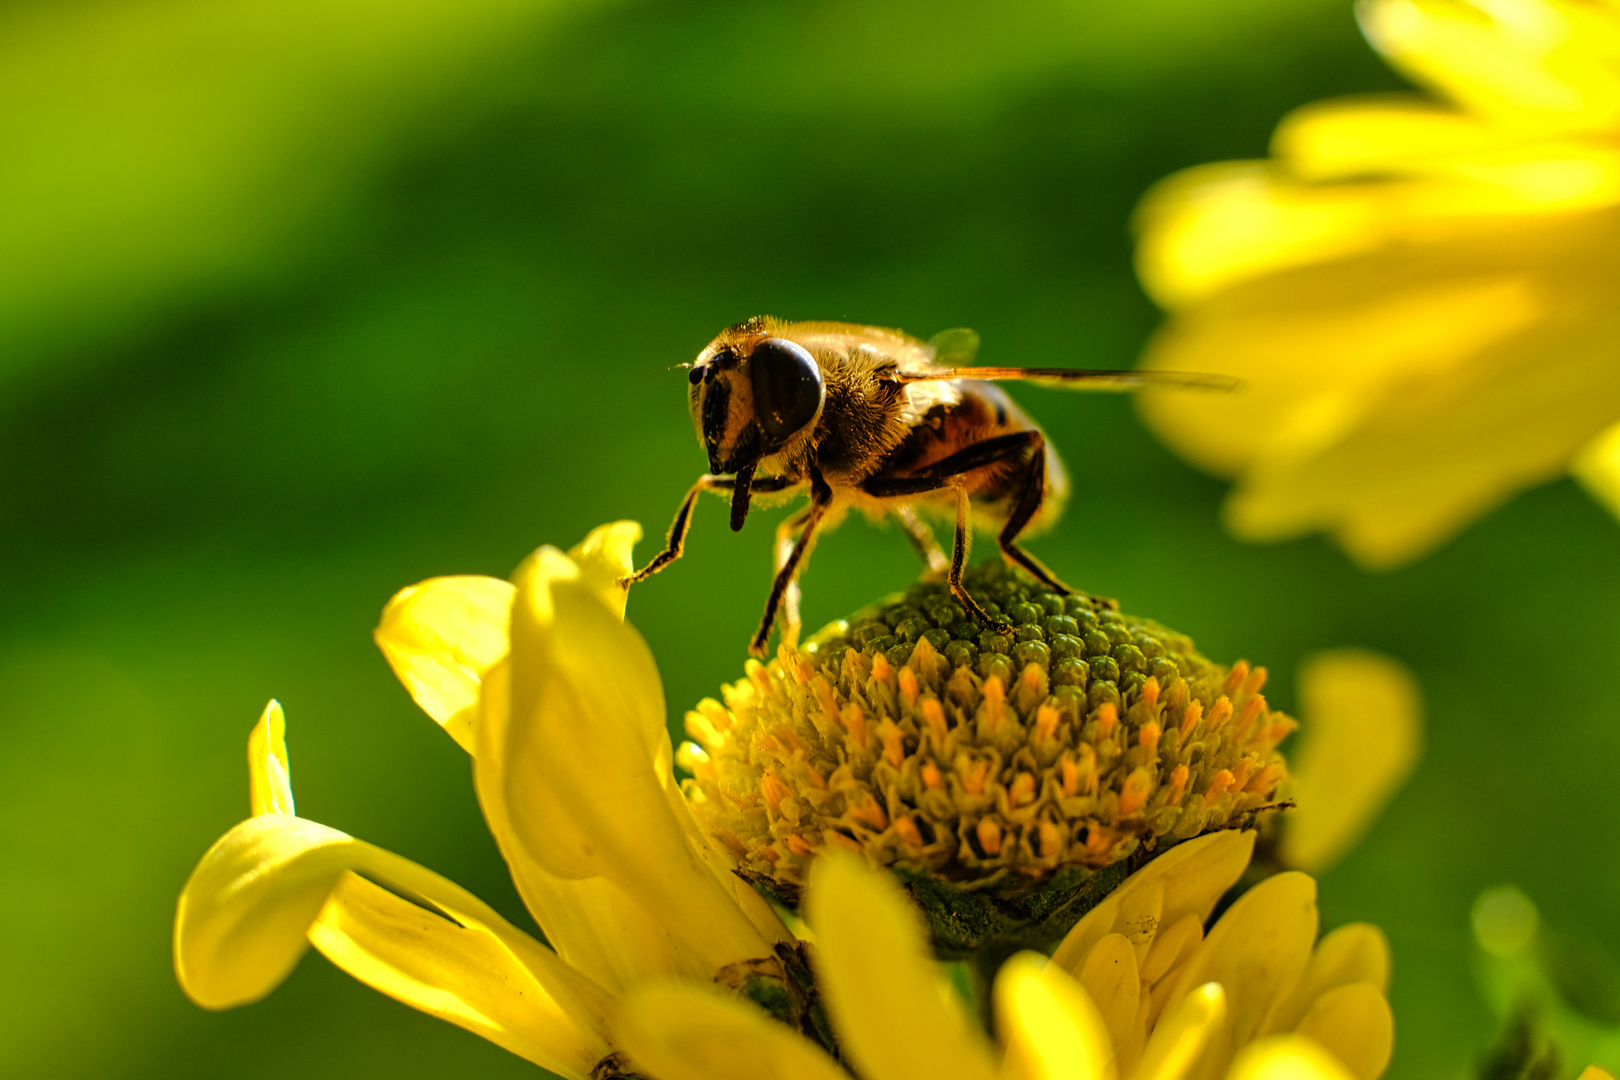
{"x": 1421, "y": 295}
{"x": 561, "y": 707}
{"x": 1135, "y": 991}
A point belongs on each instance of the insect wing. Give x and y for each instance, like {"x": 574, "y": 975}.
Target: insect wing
{"x": 955, "y": 348}
{"x": 1084, "y": 379}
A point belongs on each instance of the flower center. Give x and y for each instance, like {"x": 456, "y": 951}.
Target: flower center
{"x": 981, "y": 762}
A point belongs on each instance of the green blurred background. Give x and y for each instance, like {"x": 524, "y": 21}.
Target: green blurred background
{"x": 303, "y": 302}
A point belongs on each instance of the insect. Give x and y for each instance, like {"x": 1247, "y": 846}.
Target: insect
{"x": 865, "y": 418}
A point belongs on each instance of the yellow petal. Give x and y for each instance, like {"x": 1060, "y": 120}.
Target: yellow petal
{"x": 456, "y": 973}
{"x": 1528, "y": 64}
{"x": 269, "y": 774}
{"x": 1360, "y": 736}
{"x": 1192, "y": 876}
{"x": 1594, "y": 1072}
{"x": 1257, "y": 952}
{"x": 246, "y": 913}
{"x": 1597, "y": 466}
{"x": 895, "y": 1019}
{"x": 606, "y": 556}
{"x": 689, "y": 1031}
{"x": 585, "y": 763}
{"x": 1051, "y": 1028}
{"x": 1355, "y": 953}
{"x": 440, "y": 637}
{"x": 1180, "y": 1037}
{"x": 1442, "y": 377}
{"x": 1354, "y": 1024}
{"x": 1112, "y": 982}
{"x": 1287, "y": 1057}
{"x": 590, "y": 921}
{"x": 1172, "y": 945}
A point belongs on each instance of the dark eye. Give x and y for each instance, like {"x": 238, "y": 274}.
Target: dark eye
{"x": 787, "y": 387}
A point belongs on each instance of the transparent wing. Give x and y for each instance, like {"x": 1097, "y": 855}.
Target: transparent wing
{"x": 955, "y": 348}
{"x": 1080, "y": 378}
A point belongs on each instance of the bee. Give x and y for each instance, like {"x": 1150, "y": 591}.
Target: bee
{"x": 864, "y": 418}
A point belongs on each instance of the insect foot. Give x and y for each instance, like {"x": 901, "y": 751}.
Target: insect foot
{"x": 1010, "y": 780}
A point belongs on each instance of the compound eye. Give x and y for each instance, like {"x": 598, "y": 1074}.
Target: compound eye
{"x": 787, "y": 387}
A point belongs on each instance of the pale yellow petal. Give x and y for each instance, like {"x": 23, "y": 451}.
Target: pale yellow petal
{"x": 1171, "y": 945}
{"x": 1111, "y": 980}
{"x": 453, "y": 972}
{"x": 1190, "y": 878}
{"x": 1257, "y": 951}
{"x": 689, "y": 1031}
{"x": 604, "y": 558}
{"x": 246, "y": 912}
{"x": 1354, "y": 953}
{"x": 440, "y": 637}
{"x": 1051, "y": 1028}
{"x": 1391, "y": 398}
{"x": 1361, "y": 731}
{"x": 586, "y": 762}
{"x": 1527, "y": 63}
{"x": 591, "y": 922}
{"x": 1354, "y": 1024}
{"x": 1181, "y": 1035}
{"x": 269, "y": 774}
{"x": 894, "y": 1019}
{"x": 1287, "y": 1057}
{"x": 1597, "y": 466}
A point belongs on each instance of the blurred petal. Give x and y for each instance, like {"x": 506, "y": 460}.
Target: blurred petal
{"x": 1360, "y": 736}
{"x": 440, "y": 637}
{"x": 245, "y": 915}
{"x": 1355, "y": 953}
{"x": 585, "y": 758}
{"x": 453, "y": 972}
{"x": 269, "y": 774}
{"x": 605, "y": 556}
{"x": 1287, "y": 1057}
{"x": 1526, "y": 63}
{"x": 1597, "y": 466}
{"x": 1192, "y": 876}
{"x": 1594, "y": 1072}
{"x": 690, "y": 1031}
{"x": 894, "y": 1017}
{"x": 1181, "y": 1035}
{"x": 1050, "y": 1027}
{"x": 1354, "y": 1024}
{"x": 1257, "y": 952}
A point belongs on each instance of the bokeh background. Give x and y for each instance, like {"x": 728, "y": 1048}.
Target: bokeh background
{"x": 303, "y": 302}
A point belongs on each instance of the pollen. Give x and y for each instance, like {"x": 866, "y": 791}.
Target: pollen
{"x": 980, "y": 760}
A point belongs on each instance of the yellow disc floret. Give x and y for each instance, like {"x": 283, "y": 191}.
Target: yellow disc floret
{"x": 979, "y": 760}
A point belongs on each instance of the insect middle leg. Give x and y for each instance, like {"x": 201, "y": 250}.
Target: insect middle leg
{"x": 951, "y": 472}
{"x": 792, "y": 564}
{"x": 675, "y": 542}
{"x": 922, "y": 538}
{"x": 785, "y": 537}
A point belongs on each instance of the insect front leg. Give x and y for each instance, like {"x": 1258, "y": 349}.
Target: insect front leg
{"x": 791, "y": 566}
{"x": 675, "y": 541}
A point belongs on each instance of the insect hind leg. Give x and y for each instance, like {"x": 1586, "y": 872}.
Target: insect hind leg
{"x": 1030, "y": 498}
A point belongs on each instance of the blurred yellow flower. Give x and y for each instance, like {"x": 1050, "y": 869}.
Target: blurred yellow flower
{"x": 1136, "y": 990}
{"x": 1360, "y": 738}
{"x": 564, "y": 716}
{"x": 1422, "y": 296}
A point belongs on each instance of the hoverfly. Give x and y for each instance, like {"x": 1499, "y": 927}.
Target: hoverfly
{"x": 872, "y": 419}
